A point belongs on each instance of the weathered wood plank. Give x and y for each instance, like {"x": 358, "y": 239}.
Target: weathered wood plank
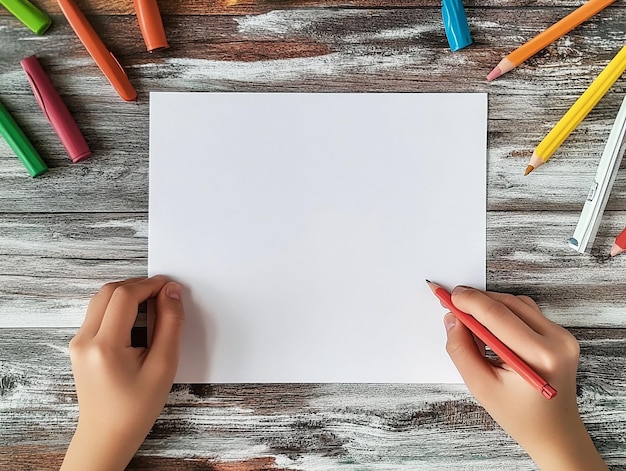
{"x": 231, "y": 7}
{"x": 97, "y": 237}
{"x": 336, "y": 50}
{"x": 53, "y": 263}
{"x": 64, "y": 235}
{"x": 313, "y": 427}
{"x": 413, "y": 30}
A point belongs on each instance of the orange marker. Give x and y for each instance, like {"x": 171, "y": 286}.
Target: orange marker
{"x": 550, "y": 35}
{"x": 151, "y": 24}
{"x": 108, "y": 64}
{"x": 507, "y": 355}
{"x": 619, "y": 245}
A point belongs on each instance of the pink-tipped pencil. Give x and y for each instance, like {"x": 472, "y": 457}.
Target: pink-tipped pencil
{"x": 550, "y": 35}
{"x": 619, "y": 245}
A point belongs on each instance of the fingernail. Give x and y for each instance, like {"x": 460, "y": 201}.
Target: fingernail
{"x": 173, "y": 291}
{"x": 459, "y": 289}
{"x": 449, "y": 321}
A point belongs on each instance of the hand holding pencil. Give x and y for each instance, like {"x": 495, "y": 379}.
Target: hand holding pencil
{"x": 550, "y": 431}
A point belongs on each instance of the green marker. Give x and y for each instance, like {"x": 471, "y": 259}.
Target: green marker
{"x": 20, "y": 144}
{"x": 29, "y": 14}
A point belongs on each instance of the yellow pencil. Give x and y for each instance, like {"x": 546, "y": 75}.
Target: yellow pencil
{"x": 578, "y": 111}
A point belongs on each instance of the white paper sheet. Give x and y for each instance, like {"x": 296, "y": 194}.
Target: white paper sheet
{"x": 303, "y": 227}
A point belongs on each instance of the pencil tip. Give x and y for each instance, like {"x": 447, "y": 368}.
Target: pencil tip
{"x": 433, "y": 286}
{"x": 494, "y": 74}
{"x": 428, "y": 281}
{"x": 529, "y": 169}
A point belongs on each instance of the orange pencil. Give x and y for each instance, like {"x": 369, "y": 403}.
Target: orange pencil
{"x": 550, "y": 35}
{"x": 619, "y": 245}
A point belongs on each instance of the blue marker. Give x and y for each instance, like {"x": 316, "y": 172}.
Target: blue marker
{"x": 455, "y": 23}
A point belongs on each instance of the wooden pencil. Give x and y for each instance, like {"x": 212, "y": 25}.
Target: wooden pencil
{"x": 547, "y": 37}
{"x": 579, "y": 110}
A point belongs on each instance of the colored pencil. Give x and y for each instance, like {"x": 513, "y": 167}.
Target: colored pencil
{"x": 547, "y": 37}
{"x": 619, "y": 245}
{"x": 578, "y": 111}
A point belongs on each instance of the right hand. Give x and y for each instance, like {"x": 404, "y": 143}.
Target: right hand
{"x": 551, "y": 431}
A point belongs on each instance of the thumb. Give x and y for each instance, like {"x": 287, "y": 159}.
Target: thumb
{"x": 168, "y": 328}
{"x": 477, "y": 372}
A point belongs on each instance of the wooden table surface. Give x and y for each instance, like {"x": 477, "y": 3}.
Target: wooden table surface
{"x": 66, "y": 233}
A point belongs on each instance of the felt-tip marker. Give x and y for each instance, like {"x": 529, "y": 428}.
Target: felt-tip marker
{"x": 151, "y": 24}
{"x": 35, "y": 19}
{"x": 104, "y": 59}
{"x": 20, "y": 144}
{"x": 55, "y": 110}
{"x": 455, "y": 24}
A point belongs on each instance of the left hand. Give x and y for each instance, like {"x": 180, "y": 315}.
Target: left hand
{"x": 121, "y": 389}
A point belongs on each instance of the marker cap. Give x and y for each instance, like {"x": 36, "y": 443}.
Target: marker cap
{"x": 20, "y": 144}
{"x": 151, "y": 24}
{"x": 455, "y": 24}
{"x": 55, "y": 110}
{"x": 34, "y": 18}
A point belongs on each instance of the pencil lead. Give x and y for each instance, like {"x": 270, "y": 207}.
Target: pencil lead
{"x": 529, "y": 169}
{"x": 494, "y": 74}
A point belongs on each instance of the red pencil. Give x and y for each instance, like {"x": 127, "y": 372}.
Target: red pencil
{"x": 619, "y": 245}
{"x": 507, "y": 355}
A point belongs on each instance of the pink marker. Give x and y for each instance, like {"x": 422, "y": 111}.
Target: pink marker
{"x": 55, "y": 110}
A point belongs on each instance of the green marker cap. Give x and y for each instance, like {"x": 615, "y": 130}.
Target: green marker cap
{"x": 37, "y": 20}
{"x": 20, "y": 144}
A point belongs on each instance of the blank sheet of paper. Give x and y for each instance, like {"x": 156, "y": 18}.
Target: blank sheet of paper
{"x": 303, "y": 227}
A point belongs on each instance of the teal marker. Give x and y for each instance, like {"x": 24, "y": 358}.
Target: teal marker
{"x": 29, "y": 14}
{"x": 455, "y": 24}
{"x": 20, "y": 144}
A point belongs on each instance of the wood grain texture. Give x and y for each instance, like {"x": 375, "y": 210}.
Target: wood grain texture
{"x": 53, "y": 263}
{"x": 315, "y": 427}
{"x": 65, "y": 234}
{"x": 237, "y": 7}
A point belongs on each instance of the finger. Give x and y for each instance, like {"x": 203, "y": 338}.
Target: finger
{"x": 478, "y": 373}
{"x": 121, "y": 312}
{"x": 526, "y": 309}
{"x": 97, "y": 307}
{"x": 498, "y": 318}
{"x": 162, "y": 358}
{"x": 530, "y": 301}
{"x": 480, "y": 344}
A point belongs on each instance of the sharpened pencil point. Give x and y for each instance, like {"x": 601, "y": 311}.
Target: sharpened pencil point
{"x": 494, "y": 74}
{"x": 433, "y": 287}
{"x": 529, "y": 169}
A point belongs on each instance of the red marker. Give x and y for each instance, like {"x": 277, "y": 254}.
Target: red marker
{"x": 507, "y": 355}
{"x": 55, "y": 110}
{"x": 619, "y": 245}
